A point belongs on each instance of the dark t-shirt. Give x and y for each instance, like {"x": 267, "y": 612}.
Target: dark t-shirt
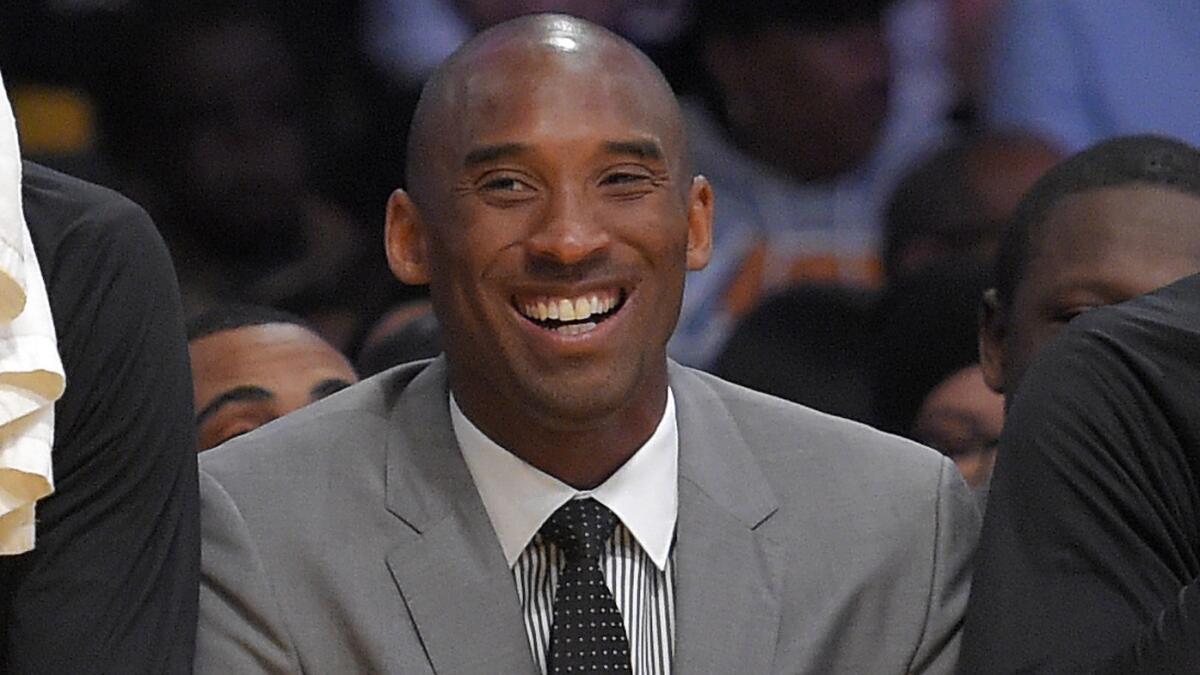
{"x": 1091, "y": 546}
{"x": 112, "y": 583}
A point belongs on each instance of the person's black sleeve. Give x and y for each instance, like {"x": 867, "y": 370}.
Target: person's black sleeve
{"x": 1088, "y": 556}
{"x": 112, "y": 583}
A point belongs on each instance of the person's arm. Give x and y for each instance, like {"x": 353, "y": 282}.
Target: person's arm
{"x": 1087, "y": 554}
{"x": 112, "y": 583}
{"x": 1171, "y": 644}
{"x": 956, "y": 533}
{"x": 1037, "y": 81}
{"x": 241, "y": 624}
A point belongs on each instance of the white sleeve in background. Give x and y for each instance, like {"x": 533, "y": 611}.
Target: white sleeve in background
{"x": 31, "y": 371}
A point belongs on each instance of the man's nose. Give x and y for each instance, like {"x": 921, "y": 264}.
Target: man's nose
{"x": 569, "y": 232}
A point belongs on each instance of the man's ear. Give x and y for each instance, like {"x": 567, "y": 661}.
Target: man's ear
{"x": 406, "y": 241}
{"x": 992, "y": 329}
{"x": 700, "y": 223}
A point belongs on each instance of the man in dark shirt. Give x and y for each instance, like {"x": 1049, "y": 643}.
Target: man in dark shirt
{"x": 1091, "y": 546}
{"x": 111, "y": 585}
{"x": 1113, "y": 222}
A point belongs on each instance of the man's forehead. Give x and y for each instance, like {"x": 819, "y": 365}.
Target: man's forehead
{"x": 1138, "y": 206}
{"x": 538, "y": 72}
{"x": 562, "y": 102}
{"x": 548, "y": 78}
{"x": 258, "y": 343}
{"x": 1117, "y": 234}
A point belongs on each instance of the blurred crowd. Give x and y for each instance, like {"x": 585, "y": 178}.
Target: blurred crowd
{"x": 867, "y": 159}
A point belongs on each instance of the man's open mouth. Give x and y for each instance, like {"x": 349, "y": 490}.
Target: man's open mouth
{"x": 574, "y": 315}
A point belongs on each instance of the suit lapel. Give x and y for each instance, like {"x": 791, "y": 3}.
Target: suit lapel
{"x": 729, "y": 575}
{"x": 451, "y": 572}
{"x": 459, "y": 590}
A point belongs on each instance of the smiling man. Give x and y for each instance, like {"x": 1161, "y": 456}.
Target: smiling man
{"x": 460, "y": 515}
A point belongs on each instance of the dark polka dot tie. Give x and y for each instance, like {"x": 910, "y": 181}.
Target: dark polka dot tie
{"x": 588, "y": 635}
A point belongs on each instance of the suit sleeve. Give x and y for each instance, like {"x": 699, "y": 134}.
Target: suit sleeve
{"x": 111, "y": 584}
{"x": 955, "y": 536}
{"x": 241, "y": 623}
{"x": 1087, "y": 561}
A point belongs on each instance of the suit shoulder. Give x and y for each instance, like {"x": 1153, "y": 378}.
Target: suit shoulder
{"x": 793, "y": 441}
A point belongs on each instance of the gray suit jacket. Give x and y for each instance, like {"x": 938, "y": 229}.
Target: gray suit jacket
{"x": 349, "y": 537}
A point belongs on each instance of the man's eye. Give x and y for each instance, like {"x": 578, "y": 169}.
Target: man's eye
{"x": 623, "y": 178}
{"x": 1065, "y": 315}
{"x": 236, "y": 430}
{"x": 506, "y": 185}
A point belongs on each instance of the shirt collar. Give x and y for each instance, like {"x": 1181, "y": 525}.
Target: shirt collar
{"x": 518, "y": 497}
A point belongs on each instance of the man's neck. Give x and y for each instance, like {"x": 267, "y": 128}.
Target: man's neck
{"x": 580, "y": 455}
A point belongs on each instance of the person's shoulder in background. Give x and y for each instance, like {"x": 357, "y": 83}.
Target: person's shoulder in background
{"x": 1087, "y": 557}
{"x": 56, "y": 203}
{"x": 112, "y": 584}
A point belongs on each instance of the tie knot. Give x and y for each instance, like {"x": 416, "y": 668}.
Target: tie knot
{"x": 580, "y": 527}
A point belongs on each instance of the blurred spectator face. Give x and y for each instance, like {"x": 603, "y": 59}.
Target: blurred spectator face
{"x": 1000, "y": 172}
{"x": 246, "y": 377}
{"x": 1095, "y": 248}
{"x": 956, "y": 203}
{"x": 963, "y": 418}
{"x": 811, "y": 102}
{"x": 238, "y": 138}
{"x": 484, "y": 13}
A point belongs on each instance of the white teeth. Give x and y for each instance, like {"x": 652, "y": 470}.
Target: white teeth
{"x": 568, "y": 309}
{"x": 576, "y": 328}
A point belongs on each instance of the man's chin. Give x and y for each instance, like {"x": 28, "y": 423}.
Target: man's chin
{"x": 577, "y": 402}
{"x": 562, "y": 395}
{"x": 574, "y": 408}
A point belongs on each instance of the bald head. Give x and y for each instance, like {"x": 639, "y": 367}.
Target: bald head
{"x": 533, "y": 61}
{"x": 552, "y": 214}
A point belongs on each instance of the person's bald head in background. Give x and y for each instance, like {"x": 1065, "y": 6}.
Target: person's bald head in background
{"x": 252, "y": 364}
{"x": 552, "y": 173}
{"x": 956, "y": 202}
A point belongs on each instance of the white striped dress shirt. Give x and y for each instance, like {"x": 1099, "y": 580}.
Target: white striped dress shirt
{"x": 637, "y": 560}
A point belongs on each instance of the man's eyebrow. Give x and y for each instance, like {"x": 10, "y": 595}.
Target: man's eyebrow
{"x": 642, "y": 149}
{"x": 327, "y": 388}
{"x": 490, "y": 153}
{"x": 236, "y": 395}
